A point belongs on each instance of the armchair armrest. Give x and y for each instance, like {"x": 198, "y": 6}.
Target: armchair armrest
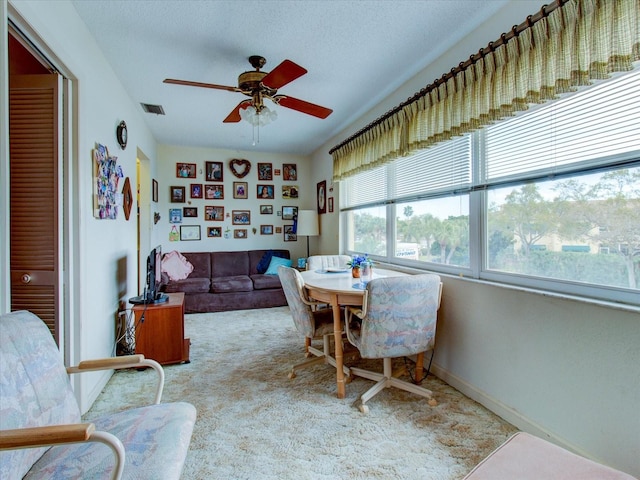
{"x": 63, "y": 434}
{"x": 127, "y": 361}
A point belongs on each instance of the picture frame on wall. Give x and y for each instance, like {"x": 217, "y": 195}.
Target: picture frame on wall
{"x": 196, "y": 190}
{"x": 240, "y": 233}
{"x": 266, "y": 209}
{"x": 265, "y": 191}
{"x": 289, "y": 234}
{"x": 154, "y": 190}
{"x": 240, "y": 190}
{"x": 214, "y": 213}
{"x": 321, "y": 190}
{"x": 213, "y": 192}
{"x": 215, "y": 232}
{"x": 189, "y": 232}
{"x": 265, "y": 171}
{"x": 177, "y": 194}
{"x": 175, "y": 215}
{"x": 186, "y": 170}
{"x": 289, "y": 213}
{"x": 190, "y": 212}
{"x": 241, "y": 217}
{"x": 290, "y": 191}
{"x": 214, "y": 171}
{"x": 330, "y": 204}
{"x": 266, "y": 229}
{"x": 290, "y": 172}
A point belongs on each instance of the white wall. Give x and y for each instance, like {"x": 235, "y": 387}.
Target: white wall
{"x": 566, "y": 370}
{"x": 99, "y": 247}
{"x": 169, "y": 156}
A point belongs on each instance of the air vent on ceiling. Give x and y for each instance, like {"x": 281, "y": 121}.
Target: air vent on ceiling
{"x": 157, "y": 109}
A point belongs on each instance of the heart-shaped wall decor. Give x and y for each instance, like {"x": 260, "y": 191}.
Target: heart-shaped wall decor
{"x": 240, "y": 167}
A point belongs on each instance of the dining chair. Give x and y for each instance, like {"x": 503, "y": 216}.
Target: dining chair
{"x": 322, "y": 262}
{"x": 310, "y": 323}
{"x": 398, "y": 319}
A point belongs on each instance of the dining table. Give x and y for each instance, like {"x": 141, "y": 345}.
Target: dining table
{"x": 337, "y": 287}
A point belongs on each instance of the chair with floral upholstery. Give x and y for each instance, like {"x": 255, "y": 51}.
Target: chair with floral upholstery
{"x": 311, "y": 324}
{"x": 397, "y": 319}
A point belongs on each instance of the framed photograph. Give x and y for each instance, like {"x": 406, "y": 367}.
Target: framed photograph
{"x": 214, "y": 192}
{"x": 290, "y": 172}
{"x": 240, "y": 233}
{"x": 154, "y": 190}
{"x": 214, "y": 213}
{"x": 289, "y": 234}
{"x": 213, "y": 171}
{"x": 266, "y": 209}
{"x": 330, "y": 204}
{"x": 290, "y": 191}
{"x": 215, "y": 232}
{"x": 175, "y": 215}
{"x": 266, "y": 229}
{"x": 196, "y": 190}
{"x": 241, "y": 217}
{"x": 265, "y": 191}
{"x": 276, "y": 171}
{"x": 278, "y": 229}
{"x": 190, "y": 212}
{"x": 189, "y": 232}
{"x": 321, "y": 191}
{"x": 177, "y": 194}
{"x": 265, "y": 171}
{"x": 186, "y": 170}
{"x": 240, "y": 190}
{"x": 289, "y": 213}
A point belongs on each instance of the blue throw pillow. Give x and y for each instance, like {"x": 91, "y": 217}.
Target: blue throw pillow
{"x": 263, "y": 264}
{"x": 275, "y": 263}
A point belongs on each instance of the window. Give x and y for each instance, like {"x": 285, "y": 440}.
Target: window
{"x": 549, "y": 198}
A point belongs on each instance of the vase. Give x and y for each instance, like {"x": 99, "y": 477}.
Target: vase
{"x": 355, "y": 272}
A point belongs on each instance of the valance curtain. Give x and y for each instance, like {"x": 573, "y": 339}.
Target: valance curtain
{"x": 575, "y": 43}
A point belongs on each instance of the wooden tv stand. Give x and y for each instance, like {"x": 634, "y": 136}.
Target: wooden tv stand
{"x": 160, "y": 336}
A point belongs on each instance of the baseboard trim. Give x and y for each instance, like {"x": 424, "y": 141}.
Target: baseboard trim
{"x": 504, "y": 411}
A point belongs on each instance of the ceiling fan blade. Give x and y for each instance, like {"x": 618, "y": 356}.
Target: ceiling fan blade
{"x": 284, "y": 73}
{"x": 199, "y": 84}
{"x": 234, "y": 116}
{"x": 302, "y": 106}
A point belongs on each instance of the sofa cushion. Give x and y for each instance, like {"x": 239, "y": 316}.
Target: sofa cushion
{"x": 234, "y": 283}
{"x": 229, "y": 264}
{"x": 275, "y": 263}
{"x": 189, "y": 285}
{"x": 176, "y": 266}
{"x": 263, "y": 282}
{"x": 201, "y": 262}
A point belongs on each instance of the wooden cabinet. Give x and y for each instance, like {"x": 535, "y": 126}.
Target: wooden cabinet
{"x": 160, "y": 330}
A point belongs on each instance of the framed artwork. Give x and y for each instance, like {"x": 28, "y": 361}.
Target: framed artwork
{"x": 266, "y": 229}
{"x": 189, "y": 232}
{"x": 289, "y": 213}
{"x": 265, "y": 171}
{"x": 154, "y": 190}
{"x": 265, "y": 191}
{"x": 241, "y": 217}
{"x": 321, "y": 191}
{"x": 240, "y": 190}
{"x": 266, "y": 209}
{"x": 240, "y": 233}
{"x": 177, "y": 194}
{"x": 215, "y": 232}
{"x": 330, "y": 203}
{"x": 290, "y": 172}
{"x": 186, "y": 170}
{"x": 196, "y": 190}
{"x": 276, "y": 171}
{"x": 214, "y": 213}
{"x": 213, "y": 171}
{"x": 278, "y": 229}
{"x": 289, "y": 234}
{"x": 175, "y": 215}
{"x": 290, "y": 191}
{"x": 214, "y": 192}
{"x": 190, "y": 212}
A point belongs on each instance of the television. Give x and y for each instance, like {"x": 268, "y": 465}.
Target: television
{"x": 152, "y": 292}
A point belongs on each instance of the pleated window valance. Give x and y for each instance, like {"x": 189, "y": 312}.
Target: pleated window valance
{"x": 566, "y": 45}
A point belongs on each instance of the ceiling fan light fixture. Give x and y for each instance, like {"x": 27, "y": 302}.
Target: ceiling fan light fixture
{"x": 258, "y": 118}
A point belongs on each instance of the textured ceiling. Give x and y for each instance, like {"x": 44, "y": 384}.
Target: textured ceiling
{"x": 356, "y": 53}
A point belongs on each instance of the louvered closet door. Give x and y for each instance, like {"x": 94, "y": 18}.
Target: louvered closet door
{"x": 33, "y": 143}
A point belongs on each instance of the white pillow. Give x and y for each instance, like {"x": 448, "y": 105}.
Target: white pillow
{"x": 176, "y": 266}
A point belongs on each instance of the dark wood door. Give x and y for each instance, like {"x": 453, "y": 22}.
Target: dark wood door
{"x": 34, "y": 204}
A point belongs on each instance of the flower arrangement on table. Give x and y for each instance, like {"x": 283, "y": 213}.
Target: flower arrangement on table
{"x": 359, "y": 262}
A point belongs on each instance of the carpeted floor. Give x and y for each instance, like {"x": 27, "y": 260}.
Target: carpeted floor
{"x": 255, "y": 423}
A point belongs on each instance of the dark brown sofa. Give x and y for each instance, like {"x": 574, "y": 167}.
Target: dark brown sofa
{"x": 222, "y": 281}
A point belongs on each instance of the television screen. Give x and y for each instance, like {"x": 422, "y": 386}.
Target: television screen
{"x": 153, "y": 280}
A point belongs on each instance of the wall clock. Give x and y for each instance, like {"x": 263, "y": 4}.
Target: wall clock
{"x": 121, "y": 134}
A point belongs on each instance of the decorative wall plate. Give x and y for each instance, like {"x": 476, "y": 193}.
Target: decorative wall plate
{"x": 127, "y": 198}
{"x": 121, "y": 134}
{"x": 240, "y": 167}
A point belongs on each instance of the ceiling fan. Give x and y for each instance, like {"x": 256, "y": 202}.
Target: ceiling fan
{"x": 260, "y": 85}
